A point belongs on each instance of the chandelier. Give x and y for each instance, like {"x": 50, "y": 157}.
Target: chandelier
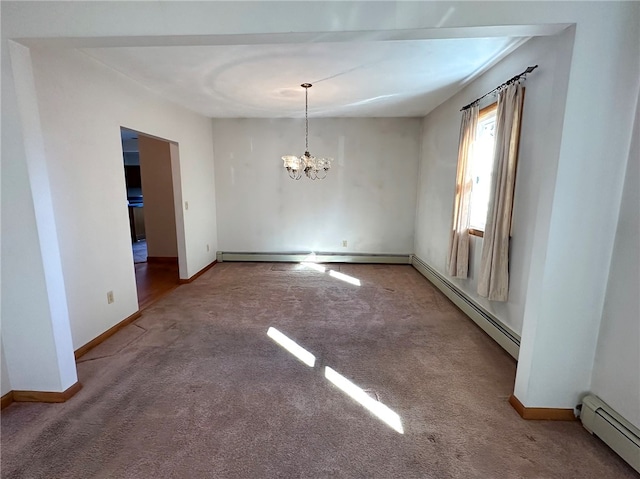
{"x": 314, "y": 168}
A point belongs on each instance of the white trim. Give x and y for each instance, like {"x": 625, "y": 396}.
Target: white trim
{"x": 619, "y": 434}
{"x": 499, "y": 332}
{"x": 223, "y": 256}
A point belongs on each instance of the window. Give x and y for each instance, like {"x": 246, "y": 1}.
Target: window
{"x": 481, "y": 166}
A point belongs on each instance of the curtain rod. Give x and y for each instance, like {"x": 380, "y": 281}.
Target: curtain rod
{"x": 508, "y": 82}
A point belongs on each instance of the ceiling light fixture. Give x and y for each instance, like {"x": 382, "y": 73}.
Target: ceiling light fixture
{"x": 314, "y": 168}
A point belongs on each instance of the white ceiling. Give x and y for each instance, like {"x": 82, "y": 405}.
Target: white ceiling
{"x": 351, "y": 79}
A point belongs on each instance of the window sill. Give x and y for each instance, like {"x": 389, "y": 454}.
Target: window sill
{"x": 475, "y": 232}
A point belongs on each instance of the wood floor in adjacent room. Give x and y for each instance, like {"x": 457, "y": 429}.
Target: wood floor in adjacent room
{"x": 209, "y": 384}
{"x": 153, "y": 279}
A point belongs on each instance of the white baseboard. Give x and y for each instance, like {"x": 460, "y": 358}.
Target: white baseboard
{"x": 619, "y": 434}
{"x": 499, "y": 332}
{"x": 223, "y": 256}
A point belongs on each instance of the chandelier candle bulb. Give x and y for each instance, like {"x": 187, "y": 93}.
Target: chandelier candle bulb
{"x": 314, "y": 168}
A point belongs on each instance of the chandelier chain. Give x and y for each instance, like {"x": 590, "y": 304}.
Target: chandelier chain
{"x": 306, "y": 119}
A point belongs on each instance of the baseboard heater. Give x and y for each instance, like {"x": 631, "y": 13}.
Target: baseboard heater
{"x": 297, "y": 257}
{"x": 505, "y": 337}
{"x": 619, "y": 434}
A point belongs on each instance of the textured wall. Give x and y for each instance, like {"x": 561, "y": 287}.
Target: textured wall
{"x": 368, "y": 197}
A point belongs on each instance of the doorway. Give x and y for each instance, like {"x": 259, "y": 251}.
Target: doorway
{"x": 149, "y": 165}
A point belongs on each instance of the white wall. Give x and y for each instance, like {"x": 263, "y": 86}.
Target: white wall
{"x": 616, "y": 377}
{"x": 5, "y": 382}
{"x": 36, "y": 333}
{"x": 543, "y": 114}
{"x": 82, "y": 106}
{"x": 368, "y": 197}
{"x": 157, "y": 188}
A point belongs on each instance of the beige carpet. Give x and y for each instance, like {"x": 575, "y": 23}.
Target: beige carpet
{"x": 197, "y": 389}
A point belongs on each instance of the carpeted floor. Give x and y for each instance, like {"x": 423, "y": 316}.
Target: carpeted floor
{"x": 196, "y": 388}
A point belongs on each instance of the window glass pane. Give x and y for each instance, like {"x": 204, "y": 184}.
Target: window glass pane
{"x": 481, "y": 169}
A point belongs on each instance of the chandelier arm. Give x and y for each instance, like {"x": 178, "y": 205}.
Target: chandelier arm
{"x": 294, "y": 174}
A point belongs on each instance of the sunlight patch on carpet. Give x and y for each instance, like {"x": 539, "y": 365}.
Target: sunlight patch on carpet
{"x": 290, "y": 345}
{"x": 378, "y": 409}
{"x": 315, "y": 266}
{"x": 311, "y": 261}
{"x": 344, "y": 277}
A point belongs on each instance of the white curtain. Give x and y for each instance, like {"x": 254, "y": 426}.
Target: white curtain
{"x": 458, "y": 258}
{"x": 493, "y": 278}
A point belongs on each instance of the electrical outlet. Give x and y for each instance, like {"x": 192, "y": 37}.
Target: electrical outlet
{"x": 207, "y": 247}
{"x": 344, "y": 243}
{"x": 110, "y": 297}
